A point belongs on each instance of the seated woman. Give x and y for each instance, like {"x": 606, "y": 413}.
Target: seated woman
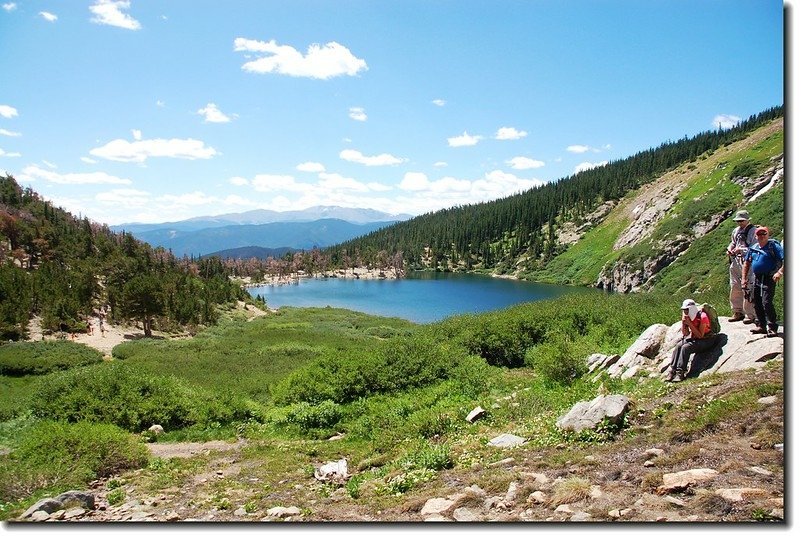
{"x": 696, "y": 337}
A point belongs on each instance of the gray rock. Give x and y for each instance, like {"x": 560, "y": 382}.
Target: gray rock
{"x": 477, "y": 413}
{"x": 679, "y": 481}
{"x": 507, "y": 440}
{"x": 47, "y": 505}
{"x": 588, "y": 415}
{"x": 40, "y": 516}
{"x": 156, "y": 429}
{"x": 76, "y": 498}
{"x": 283, "y": 512}
{"x": 464, "y": 514}
{"x": 436, "y": 506}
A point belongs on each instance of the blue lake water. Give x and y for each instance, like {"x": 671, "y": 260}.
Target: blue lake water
{"x": 422, "y": 297}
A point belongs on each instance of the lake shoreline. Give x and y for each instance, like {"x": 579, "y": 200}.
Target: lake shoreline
{"x": 357, "y": 273}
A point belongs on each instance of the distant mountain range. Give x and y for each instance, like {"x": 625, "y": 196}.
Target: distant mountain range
{"x": 263, "y": 216}
{"x": 281, "y": 231}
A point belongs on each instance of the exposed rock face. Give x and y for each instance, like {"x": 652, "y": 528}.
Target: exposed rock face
{"x": 588, "y": 415}
{"x": 623, "y": 277}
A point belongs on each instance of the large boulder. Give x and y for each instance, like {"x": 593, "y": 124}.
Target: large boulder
{"x": 589, "y": 415}
{"x": 645, "y": 348}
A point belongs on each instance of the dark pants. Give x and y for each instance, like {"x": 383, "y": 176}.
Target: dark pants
{"x": 764, "y": 301}
{"x": 686, "y": 347}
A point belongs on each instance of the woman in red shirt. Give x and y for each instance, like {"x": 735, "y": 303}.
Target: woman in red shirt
{"x": 696, "y": 337}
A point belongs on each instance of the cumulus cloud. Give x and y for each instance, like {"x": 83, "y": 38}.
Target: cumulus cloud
{"x": 3, "y": 153}
{"x": 384, "y": 159}
{"x": 463, "y": 140}
{"x": 275, "y": 183}
{"x": 509, "y": 133}
{"x": 136, "y": 134}
{"x": 439, "y": 102}
{"x": 320, "y": 61}
{"x": 725, "y": 121}
{"x": 578, "y": 149}
{"x": 140, "y": 150}
{"x": 213, "y": 114}
{"x": 110, "y": 12}
{"x": 10, "y": 6}
{"x": 239, "y": 181}
{"x": 49, "y": 17}
{"x": 524, "y": 163}
{"x": 440, "y": 164}
{"x": 88, "y": 160}
{"x": 33, "y": 173}
{"x": 449, "y": 191}
{"x": 335, "y": 181}
{"x": 8, "y": 111}
{"x": 357, "y": 113}
{"x": 313, "y": 167}
{"x": 583, "y": 166}
{"x": 124, "y": 197}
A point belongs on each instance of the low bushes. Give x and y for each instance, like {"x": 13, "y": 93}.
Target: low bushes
{"x": 41, "y": 357}
{"x": 57, "y": 456}
{"x": 122, "y": 395}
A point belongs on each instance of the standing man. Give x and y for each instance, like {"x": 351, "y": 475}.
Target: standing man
{"x": 767, "y": 261}
{"x": 742, "y": 238}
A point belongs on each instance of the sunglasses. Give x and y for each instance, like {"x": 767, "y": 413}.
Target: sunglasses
{"x": 762, "y": 234}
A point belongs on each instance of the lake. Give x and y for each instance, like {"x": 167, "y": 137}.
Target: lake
{"x": 421, "y": 297}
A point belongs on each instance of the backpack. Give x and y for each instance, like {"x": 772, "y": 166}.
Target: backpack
{"x": 710, "y": 311}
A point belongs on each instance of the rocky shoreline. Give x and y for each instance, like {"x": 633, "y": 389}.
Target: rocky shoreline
{"x": 357, "y": 273}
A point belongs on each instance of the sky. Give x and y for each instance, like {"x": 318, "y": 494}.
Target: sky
{"x": 148, "y": 111}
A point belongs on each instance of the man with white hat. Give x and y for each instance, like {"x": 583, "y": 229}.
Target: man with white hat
{"x": 743, "y": 236}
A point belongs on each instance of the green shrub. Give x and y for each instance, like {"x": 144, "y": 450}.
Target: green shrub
{"x": 41, "y": 357}
{"x": 430, "y": 457}
{"x": 55, "y": 456}
{"x": 307, "y": 416}
{"x": 120, "y": 394}
{"x": 558, "y": 360}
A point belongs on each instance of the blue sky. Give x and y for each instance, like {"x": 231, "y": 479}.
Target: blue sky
{"x": 147, "y": 111}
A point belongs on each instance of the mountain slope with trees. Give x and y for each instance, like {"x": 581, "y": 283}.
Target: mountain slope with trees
{"x": 66, "y": 269}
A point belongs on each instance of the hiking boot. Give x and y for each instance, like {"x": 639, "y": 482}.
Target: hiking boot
{"x": 737, "y": 317}
{"x": 750, "y": 321}
{"x": 771, "y": 333}
{"x": 671, "y": 376}
{"x": 679, "y": 377}
{"x": 758, "y": 330}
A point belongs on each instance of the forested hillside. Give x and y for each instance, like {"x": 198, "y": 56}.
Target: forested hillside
{"x": 64, "y": 269}
{"x": 522, "y": 234}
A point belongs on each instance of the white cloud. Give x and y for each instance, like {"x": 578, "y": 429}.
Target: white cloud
{"x": 440, "y": 164}
{"x": 10, "y": 6}
{"x": 125, "y": 197}
{"x": 314, "y": 167}
{"x": 238, "y": 181}
{"x": 725, "y": 121}
{"x": 5, "y": 132}
{"x": 439, "y": 102}
{"x": 49, "y": 17}
{"x": 110, "y": 12}
{"x": 140, "y": 150}
{"x": 578, "y": 149}
{"x": 49, "y": 164}
{"x": 384, "y": 159}
{"x": 335, "y": 181}
{"x": 88, "y": 160}
{"x": 136, "y": 134}
{"x": 524, "y": 163}
{"x": 357, "y": 113}
{"x": 321, "y": 62}
{"x": 583, "y": 166}
{"x": 463, "y": 140}
{"x": 4, "y": 154}
{"x": 451, "y": 191}
{"x": 509, "y": 133}
{"x": 275, "y": 183}
{"x": 160, "y": 104}
{"x": 8, "y": 111}
{"x": 213, "y": 114}
{"x": 32, "y": 173}
{"x": 190, "y": 199}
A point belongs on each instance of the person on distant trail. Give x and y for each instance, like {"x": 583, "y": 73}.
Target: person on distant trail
{"x": 697, "y": 336}
{"x": 767, "y": 261}
{"x": 743, "y": 236}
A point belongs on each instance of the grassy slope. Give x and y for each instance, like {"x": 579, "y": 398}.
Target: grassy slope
{"x": 706, "y": 190}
